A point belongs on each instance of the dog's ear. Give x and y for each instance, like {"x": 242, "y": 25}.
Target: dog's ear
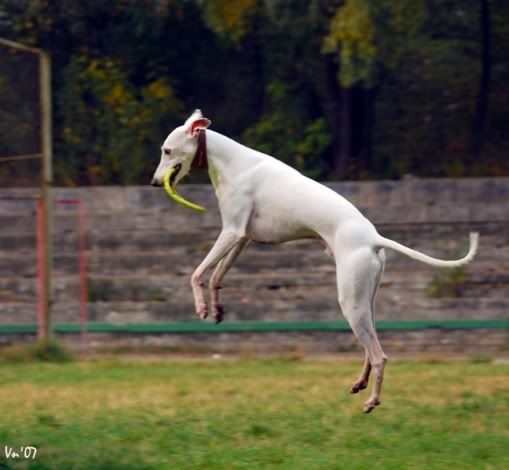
{"x": 195, "y": 123}
{"x": 197, "y": 114}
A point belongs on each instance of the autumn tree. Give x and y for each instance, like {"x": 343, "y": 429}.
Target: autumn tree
{"x": 345, "y": 89}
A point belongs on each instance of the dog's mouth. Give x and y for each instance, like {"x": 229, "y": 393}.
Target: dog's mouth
{"x": 173, "y": 176}
{"x": 168, "y": 180}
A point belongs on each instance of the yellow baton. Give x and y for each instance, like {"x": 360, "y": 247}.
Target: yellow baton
{"x": 176, "y": 197}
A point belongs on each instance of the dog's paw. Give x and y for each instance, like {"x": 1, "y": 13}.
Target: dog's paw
{"x": 371, "y": 404}
{"x": 218, "y": 313}
{"x": 202, "y": 311}
{"x": 358, "y": 386}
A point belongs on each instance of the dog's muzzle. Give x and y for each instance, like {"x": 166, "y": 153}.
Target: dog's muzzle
{"x": 158, "y": 184}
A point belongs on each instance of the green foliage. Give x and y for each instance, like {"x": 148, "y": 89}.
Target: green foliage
{"x": 40, "y": 351}
{"x": 231, "y": 18}
{"x": 352, "y": 37}
{"x": 447, "y": 283}
{"x": 108, "y": 125}
{"x": 290, "y": 141}
{"x": 269, "y": 71}
{"x": 99, "y": 291}
{"x": 430, "y": 58}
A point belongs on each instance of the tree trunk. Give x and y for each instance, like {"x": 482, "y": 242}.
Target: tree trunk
{"x": 345, "y": 138}
{"x": 482, "y": 102}
{"x": 368, "y": 128}
{"x": 330, "y": 95}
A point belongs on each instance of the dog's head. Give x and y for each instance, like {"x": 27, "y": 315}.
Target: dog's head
{"x": 179, "y": 148}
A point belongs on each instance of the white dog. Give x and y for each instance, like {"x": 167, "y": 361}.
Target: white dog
{"x": 262, "y": 199}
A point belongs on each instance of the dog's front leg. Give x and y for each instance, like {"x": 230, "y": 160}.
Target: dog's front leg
{"x": 217, "y": 276}
{"x": 227, "y": 240}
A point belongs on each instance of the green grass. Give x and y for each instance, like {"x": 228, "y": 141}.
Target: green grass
{"x": 256, "y": 414}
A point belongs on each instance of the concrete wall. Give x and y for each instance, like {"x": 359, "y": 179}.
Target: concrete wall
{"x": 142, "y": 249}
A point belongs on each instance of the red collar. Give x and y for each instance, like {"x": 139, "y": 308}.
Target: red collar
{"x": 200, "y": 157}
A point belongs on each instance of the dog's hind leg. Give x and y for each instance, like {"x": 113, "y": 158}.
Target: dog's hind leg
{"x": 217, "y": 276}
{"x": 358, "y": 275}
{"x": 362, "y": 382}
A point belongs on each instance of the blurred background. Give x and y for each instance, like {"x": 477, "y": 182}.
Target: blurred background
{"x": 405, "y": 102}
{"x": 348, "y": 89}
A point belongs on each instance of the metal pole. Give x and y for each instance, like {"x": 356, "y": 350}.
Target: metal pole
{"x": 83, "y": 277}
{"x": 46, "y": 175}
{"x": 41, "y": 307}
{"x": 17, "y": 45}
{"x": 46, "y": 184}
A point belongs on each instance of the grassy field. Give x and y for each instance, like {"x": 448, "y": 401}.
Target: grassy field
{"x": 251, "y": 413}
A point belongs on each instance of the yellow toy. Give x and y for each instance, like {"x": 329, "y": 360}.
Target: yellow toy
{"x": 176, "y": 197}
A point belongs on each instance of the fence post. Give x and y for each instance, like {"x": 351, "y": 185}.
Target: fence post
{"x": 46, "y": 184}
{"x": 83, "y": 277}
{"x": 41, "y": 275}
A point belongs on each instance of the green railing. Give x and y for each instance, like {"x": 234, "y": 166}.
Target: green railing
{"x": 255, "y": 326}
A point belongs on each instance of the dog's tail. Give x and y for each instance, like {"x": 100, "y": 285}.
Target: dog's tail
{"x": 474, "y": 243}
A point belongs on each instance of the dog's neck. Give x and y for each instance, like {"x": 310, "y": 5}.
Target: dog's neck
{"x": 227, "y": 158}
{"x": 200, "y": 157}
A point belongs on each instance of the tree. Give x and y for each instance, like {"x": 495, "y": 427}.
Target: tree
{"x": 108, "y": 125}
{"x": 482, "y": 101}
{"x": 352, "y": 38}
{"x": 337, "y": 88}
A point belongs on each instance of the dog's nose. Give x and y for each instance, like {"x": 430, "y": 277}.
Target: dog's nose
{"x": 155, "y": 183}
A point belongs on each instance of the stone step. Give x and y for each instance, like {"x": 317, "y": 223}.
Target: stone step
{"x": 385, "y": 193}
{"x": 119, "y": 242}
{"x": 183, "y": 264}
{"x": 252, "y": 307}
{"x": 142, "y": 249}
{"x": 171, "y": 220}
{"x": 447, "y": 220}
{"x": 437, "y": 230}
{"x": 175, "y": 220}
{"x": 183, "y": 260}
{"x": 125, "y": 241}
{"x": 150, "y": 287}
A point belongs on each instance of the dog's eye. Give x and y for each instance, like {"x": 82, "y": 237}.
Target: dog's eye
{"x": 167, "y": 151}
